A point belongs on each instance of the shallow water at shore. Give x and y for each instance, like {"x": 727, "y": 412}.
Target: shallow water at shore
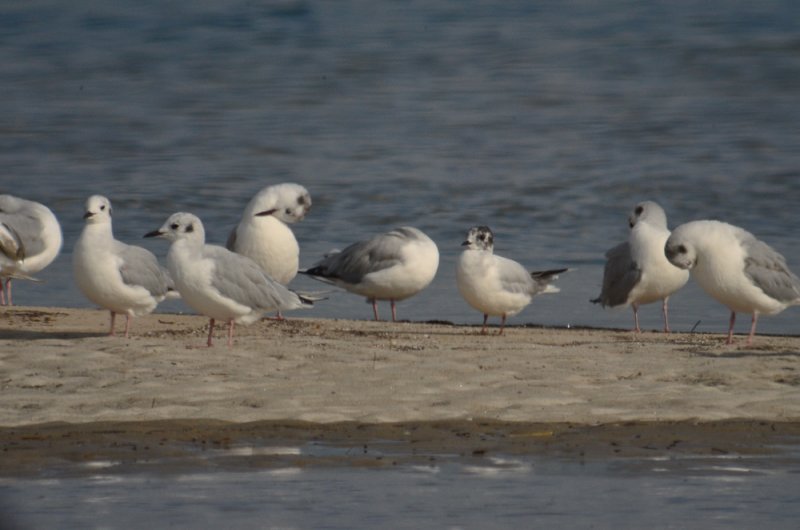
{"x": 473, "y": 492}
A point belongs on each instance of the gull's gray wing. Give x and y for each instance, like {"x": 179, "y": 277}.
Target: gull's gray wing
{"x": 513, "y": 276}
{"x": 11, "y": 244}
{"x": 620, "y": 276}
{"x": 362, "y": 258}
{"x": 241, "y": 279}
{"x": 28, "y": 228}
{"x": 141, "y": 267}
{"x": 768, "y": 270}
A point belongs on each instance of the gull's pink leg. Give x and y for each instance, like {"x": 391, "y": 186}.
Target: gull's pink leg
{"x": 113, "y": 320}
{"x": 394, "y": 312}
{"x": 230, "y": 333}
{"x": 636, "y": 328}
{"x": 483, "y": 329}
{"x": 730, "y": 328}
{"x": 375, "y": 308}
{"x": 665, "y": 312}
{"x": 127, "y": 325}
{"x": 502, "y": 324}
{"x": 2, "y": 293}
{"x": 210, "y": 341}
{"x": 8, "y": 290}
{"x": 752, "y": 329}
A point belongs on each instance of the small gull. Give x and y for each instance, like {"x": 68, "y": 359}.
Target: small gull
{"x": 637, "y": 271}
{"x": 263, "y": 235}
{"x": 30, "y": 239}
{"x": 732, "y": 266}
{"x": 495, "y": 285}
{"x": 391, "y": 266}
{"x": 118, "y": 277}
{"x": 218, "y": 283}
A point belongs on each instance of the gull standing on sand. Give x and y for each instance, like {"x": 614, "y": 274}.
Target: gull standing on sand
{"x": 738, "y": 270}
{"x": 391, "y": 266}
{"x": 30, "y": 239}
{"x": 118, "y": 277}
{"x": 218, "y": 283}
{"x": 637, "y": 271}
{"x": 263, "y": 234}
{"x": 495, "y": 285}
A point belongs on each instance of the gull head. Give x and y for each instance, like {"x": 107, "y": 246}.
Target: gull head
{"x": 287, "y": 202}
{"x": 98, "y": 210}
{"x": 180, "y": 226}
{"x": 650, "y": 212}
{"x": 681, "y": 250}
{"x": 479, "y": 238}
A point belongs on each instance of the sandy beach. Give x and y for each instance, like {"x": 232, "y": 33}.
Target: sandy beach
{"x": 60, "y": 374}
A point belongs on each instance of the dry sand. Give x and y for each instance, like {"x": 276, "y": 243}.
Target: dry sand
{"x": 349, "y": 378}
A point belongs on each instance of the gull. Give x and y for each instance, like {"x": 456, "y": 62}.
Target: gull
{"x": 735, "y": 268}
{"x": 637, "y": 271}
{"x": 30, "y": 239}
{"x": 263, "y": 235}
{"x": 495, "y": 285}
{"x": 119, "y": 277}
{"x": 218, "y": 283}
{"x": 391, "y": 266}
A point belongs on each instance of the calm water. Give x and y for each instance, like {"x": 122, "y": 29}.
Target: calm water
{"x": 546, "y": 121}
{"x": 495, "y": 492}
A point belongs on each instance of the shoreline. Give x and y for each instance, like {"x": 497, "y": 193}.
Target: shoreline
{"x": 345, "y": 380}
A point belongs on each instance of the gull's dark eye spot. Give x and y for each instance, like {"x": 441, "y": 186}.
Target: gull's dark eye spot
{"x": 288, "y": 211}
{"x": 102, "y": 207}
{"x": 638, "y": 210}
{"x": 190, "y": 228}
{"x": 174, "y": 226}
{"x": 682, "y": 249}
{"x": 301, "y": 200}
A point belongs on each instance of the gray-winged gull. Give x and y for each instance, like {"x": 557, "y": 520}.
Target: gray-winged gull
{"x": 218, "y": 283}
{"x": 735, "y": 268}
{"x": 391, "y": 266}
{"x": 637, "y": 271}
{"x": 495, "y": 285}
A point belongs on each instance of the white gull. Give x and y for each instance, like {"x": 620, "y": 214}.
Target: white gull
{"x": 391, "y": 266}
{"x": 30, "y": 239}
{"x": 218, "y": 283}
{"x": 735, "y": 268}
{"x": 122, "y": 278}
{"x": 495, "y": 285}
{"x": 637, "y": 271}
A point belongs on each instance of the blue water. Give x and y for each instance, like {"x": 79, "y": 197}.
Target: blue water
{"x": 486, "y": 492}
{"x": 547, "y": 121}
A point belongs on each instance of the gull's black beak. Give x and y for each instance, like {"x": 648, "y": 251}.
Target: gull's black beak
{"x": 266, "y": 212}
{"x": 154, "y": 233}
{"x": 465, "y": 243}
{"x": 88, "y": 215}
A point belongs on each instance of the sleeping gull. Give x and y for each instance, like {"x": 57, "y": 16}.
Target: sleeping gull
{"x": 495, "y": 285}
{"x": 637, "y": 271}
{"x": 391, "y": 266}
{"x": 30, "y": 239}
{"x": 263, "y": 235}
{"x": 118, "y": 277}
{"x": 219, "y": 283}
{"x": 738, "y": 270}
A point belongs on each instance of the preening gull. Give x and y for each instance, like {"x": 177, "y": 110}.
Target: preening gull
{"x": 121, "y": 278}
{"x": 30, "y": 239}
{"x": 263, "y": 235}
{"x": 391, "y": 266}
{"x": 637, "y": 271}
{"x": 732, "y": 266}
{"x": 495, "y": 285}
{"x": 219, "y": 283}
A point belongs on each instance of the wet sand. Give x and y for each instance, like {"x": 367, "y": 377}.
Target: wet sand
{"x": 72, "y": 394}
